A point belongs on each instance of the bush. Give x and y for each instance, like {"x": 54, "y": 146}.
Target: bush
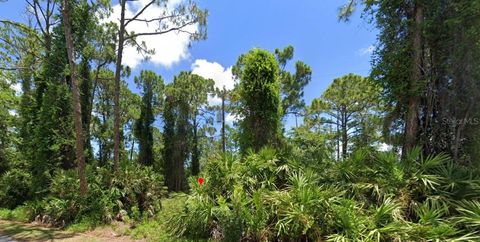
{"x": 5, "y": 214}
{"x": 135, "y": 192}
{"x": 21, "y": 214}
{"x": 372, "y": 196}
{"x": 155, "y": 229}
{"x": 15, "y": 187}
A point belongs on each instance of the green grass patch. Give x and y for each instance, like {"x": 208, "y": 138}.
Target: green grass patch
{"x": 20, "y": 214}
{"x": 82, "y": 226}
{"x": 155, "y": 229}
{"x": 5, "y": 214}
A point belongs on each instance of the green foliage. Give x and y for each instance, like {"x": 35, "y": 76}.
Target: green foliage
{"x": 469, "y": 214}
{"x": 15, "y": 188}
{"x": 20, "y": 214}
{"x": 156, "y": 229}
{"x": 185, "y": 124}
{"x": 260, "y": 104}
{"x": 152, "y": 86}
{"x": 371, "y": 196}
{"x": 310, "y": 147}
{"x": 7, "y": 103}
{"x": 298, "y": 192}
{"x": 134, "y": 194}
{"x": 446, "y": 32}
{"x": 5, "y": 214}
{"x": 350, "y": 110}
{"x": 292, "y": 84}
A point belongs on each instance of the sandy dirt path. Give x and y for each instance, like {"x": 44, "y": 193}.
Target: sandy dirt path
{"x": 16, "y": 231}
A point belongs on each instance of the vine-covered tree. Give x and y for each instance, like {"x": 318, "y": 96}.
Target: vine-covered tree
{"x": 152, "y": 87}
{"x": 72, "y": 75}
{"x": 260, "y": 104}
{"x": 185, "y": 124}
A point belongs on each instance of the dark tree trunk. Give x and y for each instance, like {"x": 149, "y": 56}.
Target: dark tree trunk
{"x": 195, "y": 151}
{"x": 131, "y": 149}
{"x": 116, "y": 99}
{"x": 411, "y": 123}
{"x": 76, "y": 99}
{"x": 86, "y": 102}
{"x": 344, "y": 133}
{"x": 338, "y": 139}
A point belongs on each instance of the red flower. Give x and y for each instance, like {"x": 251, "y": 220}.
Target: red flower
{"x": 200, "y": 181}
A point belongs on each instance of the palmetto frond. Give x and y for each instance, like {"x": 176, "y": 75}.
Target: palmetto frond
{"x": 469, "y": 214}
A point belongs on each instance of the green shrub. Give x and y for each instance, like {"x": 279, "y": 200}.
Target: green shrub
{"x": 196, "y": 220}
{"x": 5, "y": 214}
{"x": 156, "y": 229}
{"x": 15, "y": 187}
{"x": 20, "y": 213}
{"x": 23, "y": 214}
{"x": 372, "y": 196}
{"x": 133, "y": 193}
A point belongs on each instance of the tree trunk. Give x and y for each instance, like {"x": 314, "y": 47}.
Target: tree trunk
{"x": 102, "y": 143}
{"x": 411, "y": 124}
{"x": 344, "y": 133}
{"x": 86, "y": 101}
{"x": 195, "y": 151}
{"x": 116, "y": 99}
{"x": 76, "y": 99}
{"x": 131, "y": 149}
{"x": 338, "y": 138}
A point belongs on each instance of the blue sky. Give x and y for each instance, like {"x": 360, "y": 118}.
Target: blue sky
{"x": 330, "y": 47}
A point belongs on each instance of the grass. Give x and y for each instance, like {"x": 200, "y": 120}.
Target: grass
{"x": 5, "y": 214}
{"x": 152, "y": 229}
{"x": 155, "y": 229}
{"x": 19, "y": 214}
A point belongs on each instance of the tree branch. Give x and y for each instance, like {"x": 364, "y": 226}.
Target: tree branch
{"x": 35, "y": 13}
{"x": 15, "y": 68}
{"x": 41, "y": 10}
{"x": 154, "y": 19}
{"x": 162, "y": 32}
{"x": 139, "y": 12}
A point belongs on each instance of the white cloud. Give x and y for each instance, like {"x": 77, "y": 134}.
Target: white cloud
{"x": 170, "y": 48}
{"x": 223, "y": 77}
{"x": 366, "y": 51}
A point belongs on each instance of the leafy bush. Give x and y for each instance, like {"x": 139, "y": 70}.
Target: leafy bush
{"x": 20, "y": 213}
{"x": 134, "y": 192}
{"x": 5, "y": 214}
{"x": 15, "y": 187}
{"x": 155, "y": 229}
{"x": 372, "y": 196}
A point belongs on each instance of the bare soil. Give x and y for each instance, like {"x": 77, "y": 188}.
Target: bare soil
{"x": 17, "y": 231}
